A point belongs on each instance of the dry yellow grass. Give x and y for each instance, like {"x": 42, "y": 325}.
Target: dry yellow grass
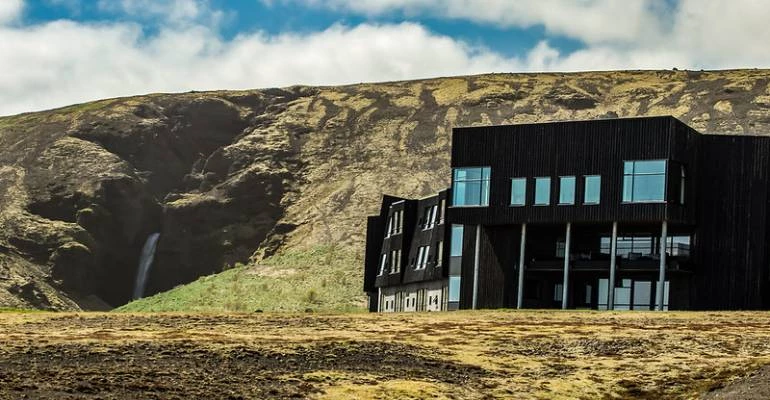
{"x": 486, "y": 354}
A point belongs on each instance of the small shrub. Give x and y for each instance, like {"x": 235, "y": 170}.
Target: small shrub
{"x": 312, "y": 296}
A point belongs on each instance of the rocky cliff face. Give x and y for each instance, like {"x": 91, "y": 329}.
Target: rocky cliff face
{"x": 229, "y": 177}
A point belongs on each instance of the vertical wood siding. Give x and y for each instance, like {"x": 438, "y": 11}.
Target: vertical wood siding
{"x": 428, "y": 237}
{"x": 568, "y": 149}
{"x": 725, "y": 206}
{"x": 732, "y": 264}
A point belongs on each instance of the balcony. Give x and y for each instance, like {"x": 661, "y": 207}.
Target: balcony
{"x": 641, "y": 264}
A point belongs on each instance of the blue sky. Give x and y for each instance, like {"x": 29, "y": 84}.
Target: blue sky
{"x": 58, "y": 52}
{"x": 276, "y": 17}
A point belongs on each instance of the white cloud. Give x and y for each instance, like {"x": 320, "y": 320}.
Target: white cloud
{"x": 43, "y": 70}
{"x": 616, "y": 33}
{"x": 10, "y": 10}
{"x": 587, "y": 20}
{"x": 64, "y": 62}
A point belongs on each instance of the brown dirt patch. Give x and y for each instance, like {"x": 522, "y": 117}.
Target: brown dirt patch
{"x": 181, "y": 370}
{"x": 482, "y": 355}
{"x": 753, "y": 387}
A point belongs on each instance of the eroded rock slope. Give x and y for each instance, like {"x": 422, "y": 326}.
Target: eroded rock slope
{"x": 230, "y": 177}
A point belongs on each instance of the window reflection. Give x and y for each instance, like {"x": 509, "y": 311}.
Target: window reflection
{"x": 644, "y": 181}
{"x": 471, "y": 186}
{"x": 636, "y": 247}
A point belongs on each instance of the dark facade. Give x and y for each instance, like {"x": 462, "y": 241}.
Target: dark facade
{"x": 406, "y": 265}
{"x": 678, "y": 207}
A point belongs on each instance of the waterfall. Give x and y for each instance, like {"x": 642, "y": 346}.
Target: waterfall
{"x": 145, "y": 262}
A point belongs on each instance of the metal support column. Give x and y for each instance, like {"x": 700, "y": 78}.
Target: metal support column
{"x": 613, "y": 267}
{"x": 520, "y": 288}
{"x": 662, "y": 273}
{"x": 565, "y": 281}
{"x": 476, "y": 268}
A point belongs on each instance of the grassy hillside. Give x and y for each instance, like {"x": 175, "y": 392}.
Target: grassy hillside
{"x": 324, "y": 278}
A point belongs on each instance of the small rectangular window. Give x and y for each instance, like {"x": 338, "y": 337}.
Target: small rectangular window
{"x": 440, "y": 253}
{"x": 383, "y": 262}
{"x": 426, "y": 215}
{"x": 395, "y": 261}
{"x": 592, "y": 190}
{"x": 542, "y": 191}
{"x": 567, "y": 190}
{"x": 560, "y": 248}
{"x": 456, "y": 241}
{"x": 419, "y": 257}
{"x": 518, "y": 191}
{"x": 454, "y": 288}
{"x": 432, "y": 215}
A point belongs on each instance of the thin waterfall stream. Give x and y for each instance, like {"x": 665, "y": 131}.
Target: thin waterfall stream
{"x": 145, "y": 262}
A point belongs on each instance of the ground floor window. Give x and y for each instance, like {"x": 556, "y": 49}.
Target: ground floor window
{"x": 631, "y": 294}
{"x": 558, "y": 291}
{"x": 388, "y": 303}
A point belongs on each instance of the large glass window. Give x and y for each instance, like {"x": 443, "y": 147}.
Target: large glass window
{"x": 593, "y": 189}
{"x": 640, "y": 247}
{"x": 567, "y": 190}
{"x": 471, "y": 186}
{"x": 542, "y": 191}
{"x": 644, "y": 181}
{"x": 518, "y": 191}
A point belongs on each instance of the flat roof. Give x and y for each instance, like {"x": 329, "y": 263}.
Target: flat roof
{"x": 569, "y": 121}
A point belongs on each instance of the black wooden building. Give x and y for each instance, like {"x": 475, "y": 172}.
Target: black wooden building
{"x": 405, "y": 262}
{"x": 633, "y": 213}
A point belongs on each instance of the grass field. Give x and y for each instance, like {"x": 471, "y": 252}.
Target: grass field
{"x": 484, "y": 354}
{"x": 322, "y": 278}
